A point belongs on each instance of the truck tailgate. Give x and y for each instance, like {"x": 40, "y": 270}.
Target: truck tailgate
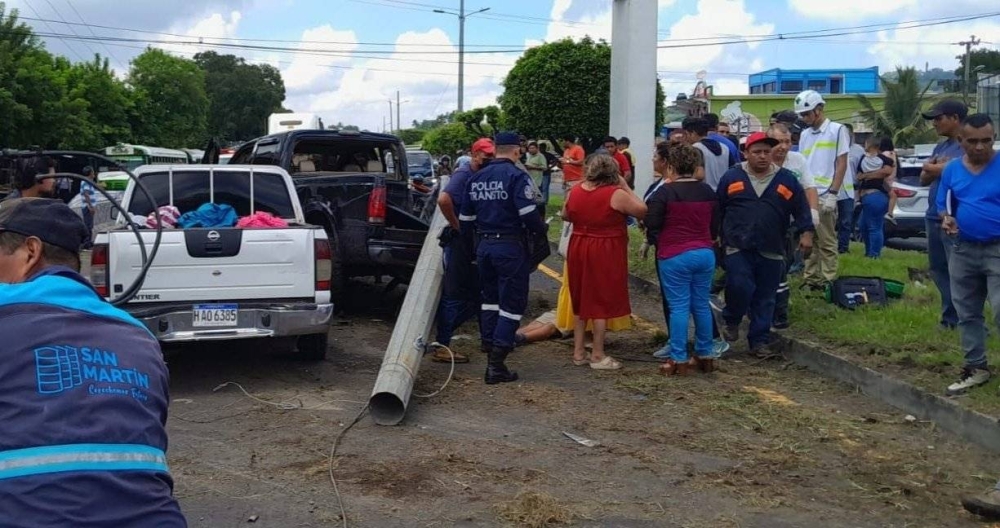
{"x": 217, "y": 264}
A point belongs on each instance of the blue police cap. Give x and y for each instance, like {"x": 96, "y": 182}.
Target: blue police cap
{"x": 507, "y": 138}
{"x": 52, "y": 221}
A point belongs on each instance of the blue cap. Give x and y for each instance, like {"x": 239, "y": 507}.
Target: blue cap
{"x": 52, "y": 221}
{"x": 507, "y": 138}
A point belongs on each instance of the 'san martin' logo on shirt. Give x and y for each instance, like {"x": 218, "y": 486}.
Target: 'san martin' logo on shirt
{"x": 59, "y": 368}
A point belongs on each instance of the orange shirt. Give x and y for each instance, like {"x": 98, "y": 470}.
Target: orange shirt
{"x": 573, "y": 173}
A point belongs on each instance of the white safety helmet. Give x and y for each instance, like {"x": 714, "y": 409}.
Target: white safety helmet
{"x": 808, "y": 100}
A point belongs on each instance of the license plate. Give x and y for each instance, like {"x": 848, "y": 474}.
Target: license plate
{"x": 215, "y": 315}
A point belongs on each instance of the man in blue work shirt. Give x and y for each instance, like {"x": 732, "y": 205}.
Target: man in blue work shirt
{"x": 83, "y": 405}
{"x": 968, "y": 200}
{"x": 499, "y": 206}
{"x": 460, "y": 289}
{"x": 947, "y": 116}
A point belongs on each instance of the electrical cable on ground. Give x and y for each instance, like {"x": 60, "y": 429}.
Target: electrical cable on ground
{"x": 450, "y": 374}
{"x": 333, "y": 454}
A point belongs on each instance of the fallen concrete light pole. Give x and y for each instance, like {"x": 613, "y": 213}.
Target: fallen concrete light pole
{"x": 406, "y": 346}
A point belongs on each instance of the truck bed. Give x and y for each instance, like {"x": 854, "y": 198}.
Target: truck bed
{"x": 220, "y": 264}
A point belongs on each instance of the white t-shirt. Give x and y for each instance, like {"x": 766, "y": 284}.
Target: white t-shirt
{"x": 796, "y": 163}
{"x": 821, "y": 149}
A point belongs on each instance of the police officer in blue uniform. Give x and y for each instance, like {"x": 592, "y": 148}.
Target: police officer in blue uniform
{"x": 499, "y": 210}
{"x": 460, "y": 285}
{"x": 83, "y": 406}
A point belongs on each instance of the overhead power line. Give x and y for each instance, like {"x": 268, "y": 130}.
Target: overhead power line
{"x": 121, "y": 63}
{"x": 70, "y": 48}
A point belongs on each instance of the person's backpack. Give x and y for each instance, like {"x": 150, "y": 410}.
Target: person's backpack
{"x": 851, "y": 292}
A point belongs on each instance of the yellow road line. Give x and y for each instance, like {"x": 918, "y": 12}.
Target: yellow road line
{"x": 550, "y": 272}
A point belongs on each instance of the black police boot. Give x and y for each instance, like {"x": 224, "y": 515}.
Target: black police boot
{"x": 496, "y": 371}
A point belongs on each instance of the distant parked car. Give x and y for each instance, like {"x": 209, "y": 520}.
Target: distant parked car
{"x": 420, "y": 164}
{"x": 911, "y": 203}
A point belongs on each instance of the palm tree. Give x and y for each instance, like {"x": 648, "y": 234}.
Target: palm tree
{"x": 899, "y": 117}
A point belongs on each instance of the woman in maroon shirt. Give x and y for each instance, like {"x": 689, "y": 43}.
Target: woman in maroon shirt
{"x": 683, "y": 218}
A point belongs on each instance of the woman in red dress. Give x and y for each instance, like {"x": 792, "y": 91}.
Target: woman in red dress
{"x": 597, "y": 259}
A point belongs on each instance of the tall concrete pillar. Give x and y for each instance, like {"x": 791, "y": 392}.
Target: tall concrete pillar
{"x": 633, "y": 81}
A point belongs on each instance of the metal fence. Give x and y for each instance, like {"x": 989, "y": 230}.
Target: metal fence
{"x": 988, "y": 101}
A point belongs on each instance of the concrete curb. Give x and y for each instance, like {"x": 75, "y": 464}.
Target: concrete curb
{"x": 971, "y": 426}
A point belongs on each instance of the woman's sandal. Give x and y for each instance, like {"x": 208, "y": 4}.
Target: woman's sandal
{"x": 581, "y": 362}
{"x": 608, "y": 363}
{"x": 707, "y": 365}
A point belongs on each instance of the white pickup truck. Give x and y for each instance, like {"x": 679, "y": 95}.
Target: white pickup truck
{"x": 222, "y": 282}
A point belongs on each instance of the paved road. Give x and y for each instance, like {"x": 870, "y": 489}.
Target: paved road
{"x": 751, "y": 446}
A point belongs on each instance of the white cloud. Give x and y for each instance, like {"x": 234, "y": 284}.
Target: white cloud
{"x": 848, "y": 9}
{"x": 308, "y": 72}
{"x": 933, "y": 46}
{"x": 210, "y": 29}
{"x": 722, "y": 14}
{"x": 425, "y": 75}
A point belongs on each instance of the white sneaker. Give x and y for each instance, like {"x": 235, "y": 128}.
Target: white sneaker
{"x": 970, "y": 378}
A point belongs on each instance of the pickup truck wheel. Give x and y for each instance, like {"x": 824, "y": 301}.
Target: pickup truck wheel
{"x": 338, "y": 279}
{"x": 312, "y": 347}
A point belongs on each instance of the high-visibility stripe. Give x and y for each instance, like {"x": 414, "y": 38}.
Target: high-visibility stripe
{"x": 466, "y": 218}
{"x": 81, "y": 457}
{"x": 508, "y": 315}
{"x": 491, "y": 307}
{"x": 526, "y": 210}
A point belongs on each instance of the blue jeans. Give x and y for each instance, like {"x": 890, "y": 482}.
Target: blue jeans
{"x": 459, "y": 292}
{"x": 686, "y": 280}
{"x": 975, "y": 278}
{"x": 751, "y": 285}
{"x": 874, "y": 207}
{"x": 939, "y": 248}
{"x": 544, "y": 187}
{"x": 845, "y": 224}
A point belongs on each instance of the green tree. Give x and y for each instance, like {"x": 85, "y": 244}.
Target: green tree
{"x": 411, "y": 136}
{"x": 989, "y": 59}
{"x": 564, "y": 87}
{"x": 108, "y": 101}
{"x": 241, "y": 95}
{"x": 474, "y": 120}
{"x": 171, "y": 103}
{"x": 448, "y": 139}
{"x": 441, "y": 119}
{"x": 899, "y": 117}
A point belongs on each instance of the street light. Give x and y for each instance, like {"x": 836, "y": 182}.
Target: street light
{"x": 399, "y": 122}
{"x": 461, "y": 45}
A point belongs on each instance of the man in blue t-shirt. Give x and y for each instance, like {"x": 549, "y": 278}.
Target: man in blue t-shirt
{"x": 968, "y": 200}
{"x": 947, "y": 116}
{"x": 460, "y": 286}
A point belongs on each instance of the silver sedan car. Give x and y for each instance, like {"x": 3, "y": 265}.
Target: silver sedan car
{"x": 911, "y": 202}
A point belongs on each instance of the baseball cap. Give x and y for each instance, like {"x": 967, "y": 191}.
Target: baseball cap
{"x": 484, "y": 145}
{"x": 758, "y": 137}
{"x": 507, "y": 138}
{"x": 788, "y": 117}
{"x": 51, "y": 221}
{"x": 947, "y": 107}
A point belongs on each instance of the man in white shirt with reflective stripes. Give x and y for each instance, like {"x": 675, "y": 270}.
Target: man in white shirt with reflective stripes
{"x": 825, "y": 145}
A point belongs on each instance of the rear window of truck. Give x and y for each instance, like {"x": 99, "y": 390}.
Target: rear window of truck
{"x": 192, "y": 189}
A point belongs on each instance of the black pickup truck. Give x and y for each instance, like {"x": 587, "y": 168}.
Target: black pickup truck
{"x": 355, "y": 185}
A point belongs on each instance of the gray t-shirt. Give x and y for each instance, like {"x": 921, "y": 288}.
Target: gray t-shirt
{"x": 715, "y": 164}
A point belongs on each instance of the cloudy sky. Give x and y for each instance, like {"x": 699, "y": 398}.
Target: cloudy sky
{"x": 344, "y": 59}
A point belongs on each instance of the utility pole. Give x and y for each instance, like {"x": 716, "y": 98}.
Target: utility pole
{"x": 461, "y": 54}
{"x": 390, "y": 115}
{"x": 973, "y": 41}
{"x": 399, "y": 124}
{"x": 461, "y": 47}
